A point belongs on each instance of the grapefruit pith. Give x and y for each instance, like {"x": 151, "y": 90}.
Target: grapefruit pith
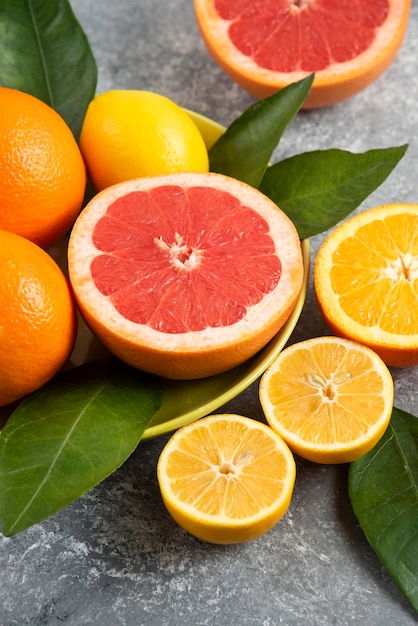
{"x": 264, "y": 45}
{"x": 184, "y": 275}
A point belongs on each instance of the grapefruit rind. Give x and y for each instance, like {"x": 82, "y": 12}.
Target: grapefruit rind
{"x": 192, "y": 354}
{"x": 331, "y": 85}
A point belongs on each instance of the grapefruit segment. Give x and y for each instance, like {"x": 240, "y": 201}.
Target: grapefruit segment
{"x": 265, "y": 45}
{"x": 185, "y": 275}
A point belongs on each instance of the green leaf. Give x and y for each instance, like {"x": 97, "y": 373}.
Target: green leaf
{"x": 320, "y": 188}
{"x": 244, "y": 150}
{"x": 44, "y": 52}
{"x": 68, "y": 436}
{"x": 383, "y": 488}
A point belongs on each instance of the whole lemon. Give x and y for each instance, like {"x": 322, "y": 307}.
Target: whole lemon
{"x": 131, "y": 133}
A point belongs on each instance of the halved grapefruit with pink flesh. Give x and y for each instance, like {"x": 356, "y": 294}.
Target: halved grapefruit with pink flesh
{"x": 184, "y": 275}
{"x": 265, "y": 45}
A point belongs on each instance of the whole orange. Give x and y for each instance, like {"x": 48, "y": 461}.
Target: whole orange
{"x": 42, "y": 172}
{"x": 38, "y": 321}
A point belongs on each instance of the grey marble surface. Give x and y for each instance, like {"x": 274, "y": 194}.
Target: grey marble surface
{"x": 114, "y": 557}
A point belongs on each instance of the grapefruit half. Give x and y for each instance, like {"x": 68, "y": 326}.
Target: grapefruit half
{"x": 264, "y": 45}
{"x": 185, "y": 275}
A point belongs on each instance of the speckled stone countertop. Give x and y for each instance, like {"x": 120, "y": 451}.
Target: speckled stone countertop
{"x": 114, "y": 557}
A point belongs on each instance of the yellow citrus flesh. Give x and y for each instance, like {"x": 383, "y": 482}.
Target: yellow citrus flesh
{"x": 330, "y": 399}
{"x": 128, "y": 134}
{"x": 226, "y": 478}
{"x": 366, "y": 281}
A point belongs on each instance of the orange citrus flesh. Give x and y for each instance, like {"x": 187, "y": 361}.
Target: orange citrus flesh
{"x": 43, "y": 176}
{"x": 266, "y": 44}
{"x": 185, "y": 275}
{"x": 330, "y": 399}
{"x": 366, "y": 281}
{"x": 226, "y": 478}
{"x": 37, "y": 317}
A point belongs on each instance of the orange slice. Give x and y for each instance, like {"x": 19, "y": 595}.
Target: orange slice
{"x": 329, "y": 398}
{"x": 264, "y": 45}
{"x": 184, "y": 275}
{"x": 366, "y": 281}
{"x": 226, "y": 478}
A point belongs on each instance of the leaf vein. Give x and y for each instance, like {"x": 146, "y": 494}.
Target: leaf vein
{"x": 41, "y": 52}
{"x": 57, "y": 456}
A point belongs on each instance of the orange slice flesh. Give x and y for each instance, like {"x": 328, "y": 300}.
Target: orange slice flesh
{"x": 185, "y": 275}
{"x": 366, "y": 281}
{"x": 266, "y": 44}
{"x": 329, "y": 398}
{"x": 226, "y": 478}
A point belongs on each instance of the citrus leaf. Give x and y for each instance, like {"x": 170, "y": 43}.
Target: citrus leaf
{"x": 44, "y": 52}
{"x": 383, "y": 489}
{"x": 320, "y": 188}
{"x": 245, "y": 149}
{"x": 68, "y": 436}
